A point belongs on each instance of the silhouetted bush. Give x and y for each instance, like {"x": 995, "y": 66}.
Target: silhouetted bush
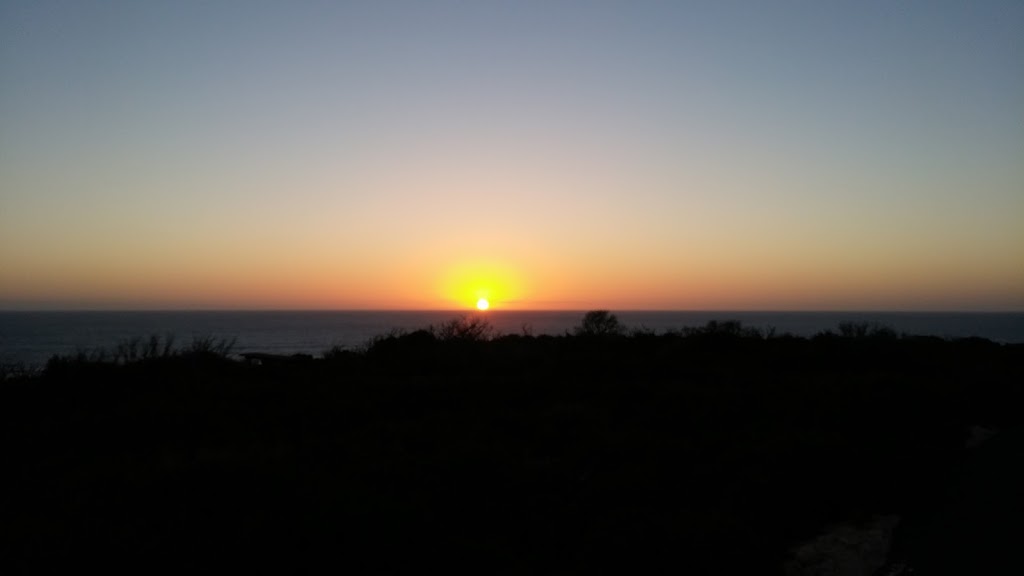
{"x": 212, "y": 346}
{"x": 599, "y": 323}
{"x": 11, "y": 371}
{"x": 135, "y": 349}
{"x": 725, "y": 329}
{"x": 390, "y": 335}
{"x": 466, "y": 328}
{"x": 138, "y": 349}
{"x": 866, "y": 330}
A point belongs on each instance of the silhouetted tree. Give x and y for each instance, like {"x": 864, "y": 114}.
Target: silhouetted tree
{"x": 599, "y": 323}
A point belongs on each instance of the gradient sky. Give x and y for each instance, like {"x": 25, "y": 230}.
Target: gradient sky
{"x": 544, "y": 154}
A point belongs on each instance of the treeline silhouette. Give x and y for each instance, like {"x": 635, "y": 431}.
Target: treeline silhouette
{"x": 705, "y": 450}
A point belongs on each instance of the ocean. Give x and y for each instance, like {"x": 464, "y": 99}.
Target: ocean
{"x": 30, "y": 338}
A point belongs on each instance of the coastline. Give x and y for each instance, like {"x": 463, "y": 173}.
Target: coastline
{"x": 32, "y": 337}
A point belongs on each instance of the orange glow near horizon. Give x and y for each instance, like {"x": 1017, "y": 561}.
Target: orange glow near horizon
{"x": 511, "y": 282}
{"x": 472, "y": 284}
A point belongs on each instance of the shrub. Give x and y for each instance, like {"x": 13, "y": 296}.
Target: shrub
{"x": 138, "y": 348}
{"x": 466, "y": 328}
{"x": 865, "y": 330}
{"x": 725, "y": 329}
{"x": 599, "y": 323}
{"x": 10, "y": 371}
{"x": 212, "y": 346}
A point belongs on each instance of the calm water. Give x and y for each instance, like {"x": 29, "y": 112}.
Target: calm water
{"x": 32, "y": 337}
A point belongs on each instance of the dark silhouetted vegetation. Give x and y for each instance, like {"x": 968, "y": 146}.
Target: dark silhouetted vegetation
{"x": 599, "y": 323}
{"x": 472, "y": 328}
{"x": 708, "y": 450}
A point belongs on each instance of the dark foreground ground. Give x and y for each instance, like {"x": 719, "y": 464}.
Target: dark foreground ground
{"x": 706, "y": 452}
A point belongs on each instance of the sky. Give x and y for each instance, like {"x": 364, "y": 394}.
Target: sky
{"x": 549, "y": 154}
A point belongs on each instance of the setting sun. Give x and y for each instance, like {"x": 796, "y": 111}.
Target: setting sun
{"x": 482, "y": 285}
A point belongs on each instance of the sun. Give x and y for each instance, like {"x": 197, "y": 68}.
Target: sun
{"x": 482, "y": 304}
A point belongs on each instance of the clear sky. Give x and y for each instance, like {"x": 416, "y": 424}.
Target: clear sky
{"x": 543, "y": 154}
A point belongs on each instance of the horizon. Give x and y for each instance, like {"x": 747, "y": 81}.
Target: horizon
{"x": 474, "y": 311}
{"x": 565, "y": 156}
